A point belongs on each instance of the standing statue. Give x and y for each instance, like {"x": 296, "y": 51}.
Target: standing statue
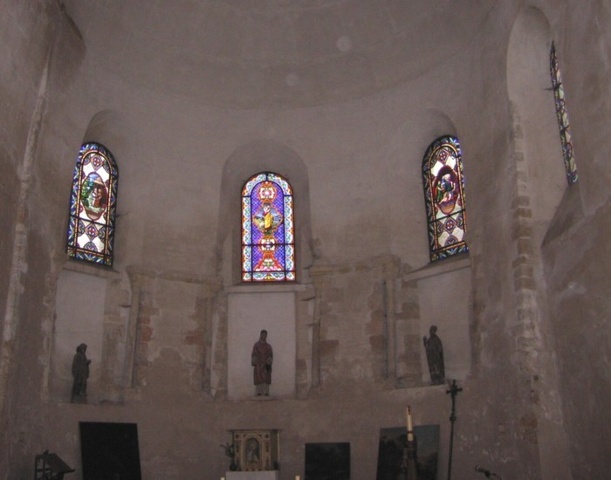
{"x": 434, "y": 356}
{"x": 261, "y": 359}
{"x": 80, "y": 374}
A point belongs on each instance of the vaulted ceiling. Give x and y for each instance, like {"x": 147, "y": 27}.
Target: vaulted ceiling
{"x": 250, "y": 53}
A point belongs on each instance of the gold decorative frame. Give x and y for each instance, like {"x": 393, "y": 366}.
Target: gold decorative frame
{"x": 256, "y": 450}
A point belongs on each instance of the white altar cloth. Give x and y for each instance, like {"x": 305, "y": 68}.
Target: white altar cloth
{"x": 267, "y": 475}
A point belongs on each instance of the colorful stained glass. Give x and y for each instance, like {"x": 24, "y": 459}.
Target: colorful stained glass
{"x": 268, "y": 243}
{"x": 563, "y": 119}
{"x": 444, "y": 197}
{"x": 93, "y": 201}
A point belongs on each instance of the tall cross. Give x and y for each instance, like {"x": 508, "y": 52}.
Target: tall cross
{"x": 453, "y": 391}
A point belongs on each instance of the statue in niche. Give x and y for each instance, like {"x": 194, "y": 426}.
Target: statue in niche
{"x": 261, "y": 359}
{"x": 434, "y": 356}
{"x": 80, "y": 374}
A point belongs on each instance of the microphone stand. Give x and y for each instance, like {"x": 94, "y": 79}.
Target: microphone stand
{"x": 453, "y": 391}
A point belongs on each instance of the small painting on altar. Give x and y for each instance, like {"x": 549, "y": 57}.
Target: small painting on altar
{"x": 255, "y": 450}
{"x": 393, "y": 441}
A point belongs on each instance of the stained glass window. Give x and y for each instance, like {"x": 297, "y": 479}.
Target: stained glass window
{"x": 268, "y": 244}
{"x": 91, "y": 228}
{"x": 563, "y": 119}
{"x": 444, "y": 197}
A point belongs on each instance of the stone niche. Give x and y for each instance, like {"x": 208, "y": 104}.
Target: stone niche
{"x": 250, "y": 310}
{"x": 79, "y": 319}
{"x": 444, "y": 296}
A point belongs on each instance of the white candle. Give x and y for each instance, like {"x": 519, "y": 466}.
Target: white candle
{"x": 410, "y": 427}
{"x": 297, "y": 477}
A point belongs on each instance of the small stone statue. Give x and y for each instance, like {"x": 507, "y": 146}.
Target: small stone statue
{"x": 80, "y": 374}
{"x": 261, "y": 359}
{"x": 434, "y": 356}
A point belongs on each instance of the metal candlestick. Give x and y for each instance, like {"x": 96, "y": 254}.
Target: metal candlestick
{"x": 453, "y": 391}
{"x": 411, "y": 458}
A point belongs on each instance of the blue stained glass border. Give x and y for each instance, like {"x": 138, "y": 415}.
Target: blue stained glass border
{"x": 439, "y": 249}
{"x": 281, "y": 265}
{"x": 76, "y": 245}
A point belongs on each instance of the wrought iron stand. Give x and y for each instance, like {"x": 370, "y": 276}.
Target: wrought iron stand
{"x": 453, "y": 391}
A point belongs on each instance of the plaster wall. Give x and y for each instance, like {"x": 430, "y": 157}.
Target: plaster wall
{"x": 80, "y": 315}
{"x": 248, "y": 314}
{"x": 444, "y": 300}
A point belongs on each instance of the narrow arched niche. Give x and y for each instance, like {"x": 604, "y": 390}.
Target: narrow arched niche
{"x": 248, "y": 305}
{"x": 536, "y": 136}
{"x": 108, "y": 127}
{"x": 245, "y": 161}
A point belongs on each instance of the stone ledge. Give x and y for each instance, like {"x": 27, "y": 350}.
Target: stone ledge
{"x": 440, "y": 267}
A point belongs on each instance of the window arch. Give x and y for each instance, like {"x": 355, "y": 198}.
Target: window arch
{"x": 91, "y": 228}
{"x": 268, "y": 242}
{"x": 444, "y": 198}
{"x": 563, "y": 119}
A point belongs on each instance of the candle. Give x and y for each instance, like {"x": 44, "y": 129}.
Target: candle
{"x": 410, "y": 427}
{"x": 297, "y": 477}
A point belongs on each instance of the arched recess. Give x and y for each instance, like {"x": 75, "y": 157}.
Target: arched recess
{"x": 109, "y": 128}
{"x": 433, "y": 123}
{"x": 245, "y": 161}
{"x": 539, "y": 183}
{"x": 453, "y": 278}
{"x": 537, "y": 142}
{"x": 405, "y": 149}
{"x": 248, "y": 306}
{"x": 90, "y": 300}
{"x": 433, "y": 285}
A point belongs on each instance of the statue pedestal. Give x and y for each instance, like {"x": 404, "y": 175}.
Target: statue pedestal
{"x": 268, "y": 475}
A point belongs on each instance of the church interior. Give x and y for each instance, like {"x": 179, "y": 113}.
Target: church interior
{"x": 409, "y": 197}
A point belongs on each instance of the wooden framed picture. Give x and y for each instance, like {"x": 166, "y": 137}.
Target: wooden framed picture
{"x": 256, "y": 450}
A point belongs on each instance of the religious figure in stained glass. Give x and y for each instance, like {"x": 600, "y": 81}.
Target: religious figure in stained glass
{"x": 563, "y": 119}
{"x": 92, "y": 205}
{"x": 444, "y": 198}
{"x": 94, "y": 196}
{"x": 268, "y": 246}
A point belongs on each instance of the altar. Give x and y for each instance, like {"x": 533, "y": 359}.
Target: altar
{"x": 263, "y": 475}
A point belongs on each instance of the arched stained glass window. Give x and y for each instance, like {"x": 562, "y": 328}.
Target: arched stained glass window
{"x": 91, "y": 228}
{"x": 268, "y": 243}
{"x": 444, "y": 197}
{"x": 563, "y": 119}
